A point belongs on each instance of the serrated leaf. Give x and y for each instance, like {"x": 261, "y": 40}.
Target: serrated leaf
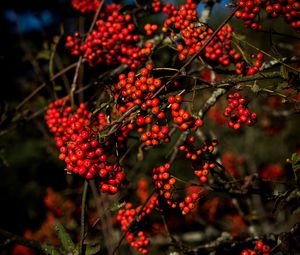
{"x": 66, "y": 241}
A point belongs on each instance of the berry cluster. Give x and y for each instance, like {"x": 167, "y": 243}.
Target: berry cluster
{"x": 250, "y": 10}
{"x": 259, "y": 247}
{"x": 164, "y": 183}
{"x": 76, "y": 136}
{"x": 181, "y": 117}
{"x": 257, "y": 64}
{"x": 86, "y": 6}
{"x": 113, "y": 41}
{"x": 189, "y": 203}
{"x": 199, "y": 156}
{"x": 193, "y": 36}
{"x": 155, "y": 135}
{"x": 165, "y": 188}
{"x": 132, "y": 91}
{"x": 182, "y": 18}
{"x": 156, "y": 5}
{"x": 238, "y": 112}
{"x": 127, "y": 216}
{"x": 150, "y": 29}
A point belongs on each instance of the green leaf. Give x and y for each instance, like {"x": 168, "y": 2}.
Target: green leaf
{"x": 102, "y": 106}
{"x": 283, "y": 72}
{"x": 66, "y": 241}
{"x": 58, "y": 88}
{"x": 283, "y": 85}
{"x": 44, "y": 54}
{"x": 239, "y": 36}
{"x": 91, "y": 250}
{"x": 50, "y": 250}
{"x": 116, "y": 206}
{"x": 295, "y": 160}
{"x": 292, "y": 196}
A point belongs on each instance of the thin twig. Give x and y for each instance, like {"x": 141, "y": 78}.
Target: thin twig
{"x": 75, "y": 78}
{"x": 38, "y": 89}
{"x": 82, "y": 220}
{"x": 267, "y": 54}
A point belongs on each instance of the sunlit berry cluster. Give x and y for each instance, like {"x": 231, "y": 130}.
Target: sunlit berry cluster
{"x": 130, "y": 215}
{"x": 193, "y": 35}
{"x": 181, "y": 117}
{"x": 260, "y": 248}
{"x": 133, "y": 90}
{"x": 251, "y": 9}
{"x": 86, "y": 6}
{"x": 113, "y": 41}
{"x": 76, "y": 135}
{"x": 238, "y": 112}
{"x": 200, "y": 156}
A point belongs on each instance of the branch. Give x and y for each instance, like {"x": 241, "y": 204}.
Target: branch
{"x": 269, "y": 55}
{"x": 82, "y": 221}
{"x": 38, "y": 89}
{"x": 11, "y": 238}
{"x": 198, "y": 53}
